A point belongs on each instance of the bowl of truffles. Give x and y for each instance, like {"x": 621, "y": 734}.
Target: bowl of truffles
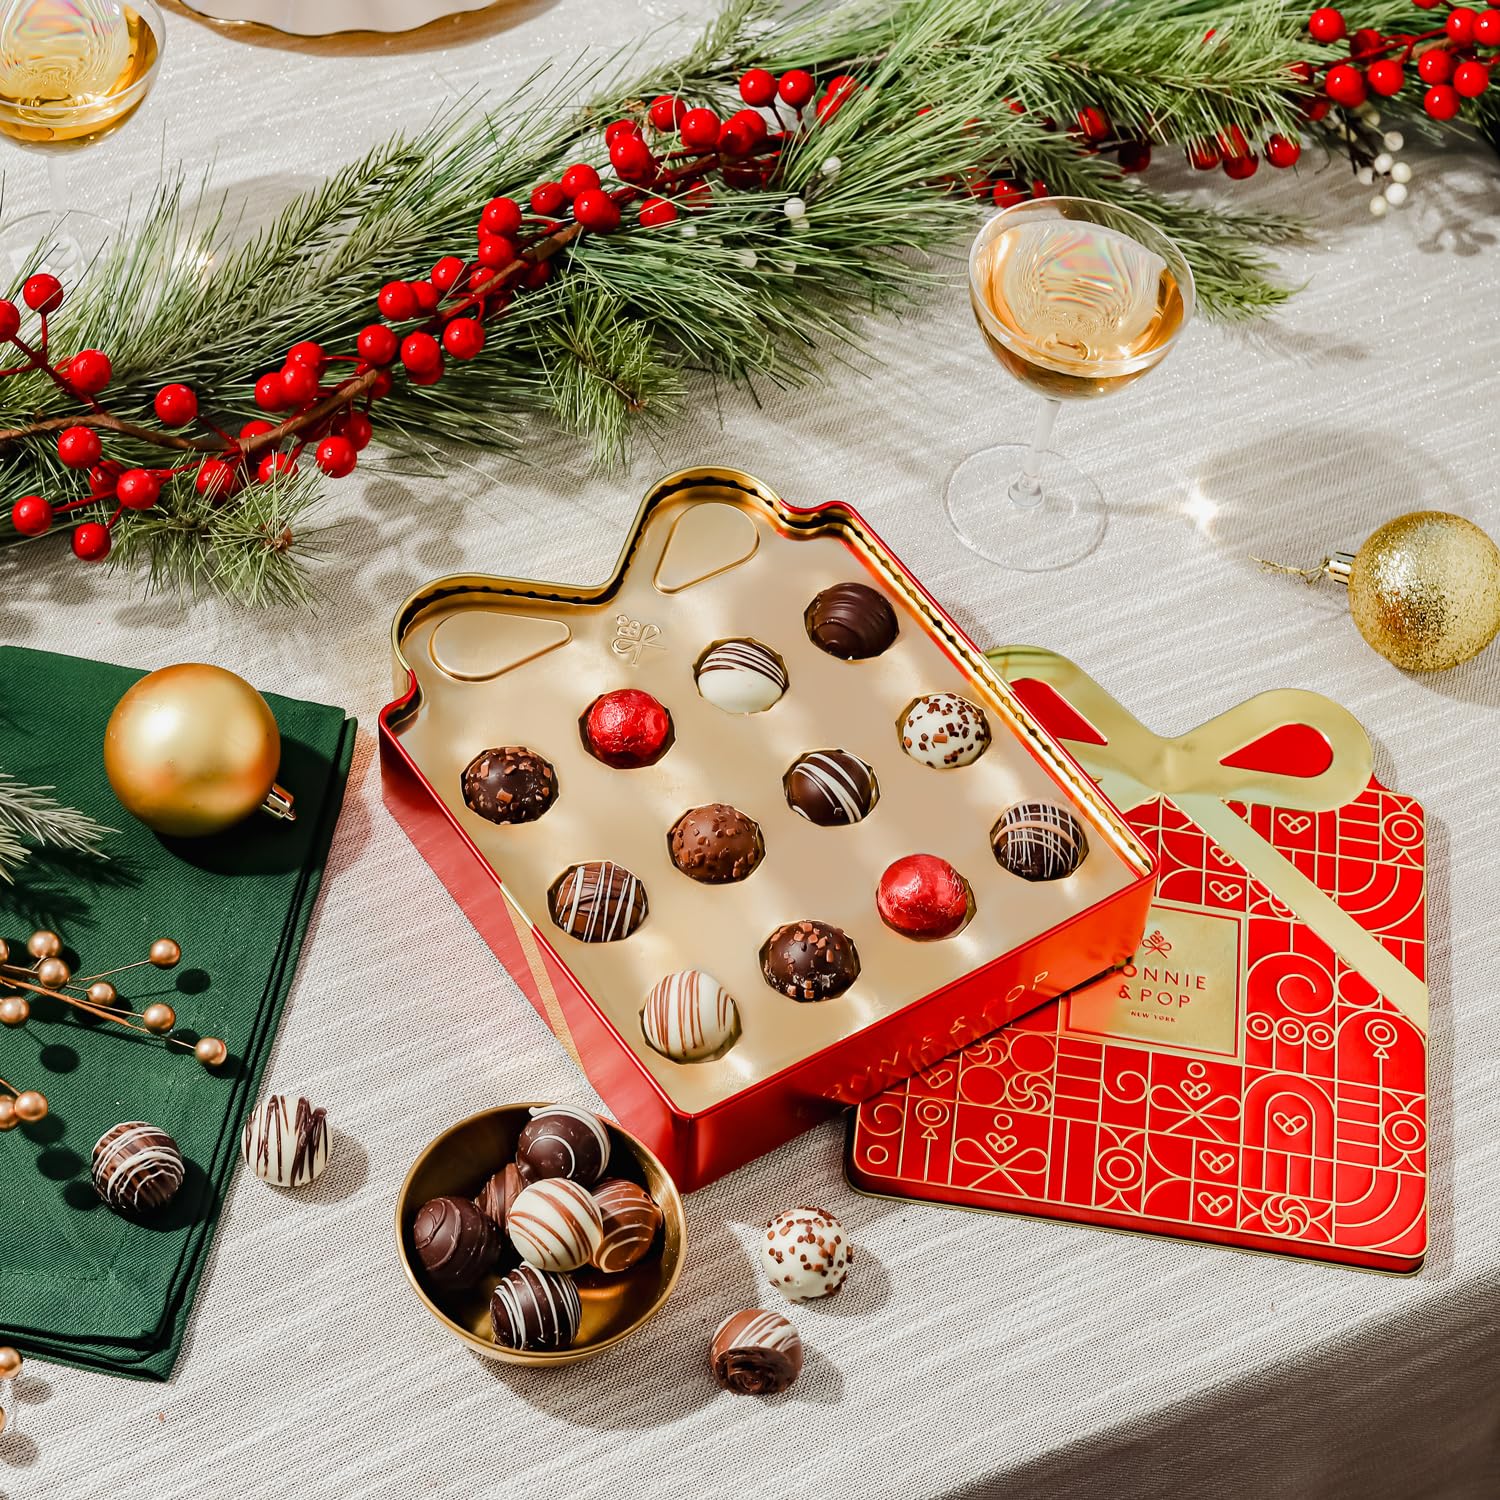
{"x": 539, "y": 1234}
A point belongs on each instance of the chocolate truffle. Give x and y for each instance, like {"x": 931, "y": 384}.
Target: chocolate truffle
{"x": 755, "y": 1353}
{"x": 598, "y": 902}
{"x": 456, "y": 1244}
{"x": 741, "y": 677}
{"x": 716, "y": 844}
{"x": 137, "y": 1168}
{"x": 851, "y": 621}
{"x": 509, "y": 785}
{"x": 1039, "y": 841}
{"x": 285, "y": 1140}
{"x": 561, "y": 1141}
{"x": 830, "y": 787}
{"x": 809, "y": 961}
{"x": 531, "y": 1309}
{"x": 555, "y": 1225}
{"x": 497, "y": 1195}
{"x": 631, "y": 1220}
{"x": 689, "y": 1016}
{"x": 923, "y": 896}
{"x": 805, "y": 1254}
{"x": 944, "y": 730}
{"x": 627, "y": 729}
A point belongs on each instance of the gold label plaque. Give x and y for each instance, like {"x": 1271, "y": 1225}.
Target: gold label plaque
{"x": 1181, "y": 990}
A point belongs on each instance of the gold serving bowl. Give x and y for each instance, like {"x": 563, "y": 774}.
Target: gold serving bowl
{"x": 461, "y": 1160}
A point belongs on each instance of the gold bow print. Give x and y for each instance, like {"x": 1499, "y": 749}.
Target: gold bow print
{"x": 1135, "y": 765}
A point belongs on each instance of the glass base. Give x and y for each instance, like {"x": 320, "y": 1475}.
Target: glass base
{"x": 1063, "y": 528}
{"x": 65, "y": 244}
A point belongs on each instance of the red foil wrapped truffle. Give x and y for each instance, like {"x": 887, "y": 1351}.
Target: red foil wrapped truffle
{"x": 627, "y": 729}
{"x": 923, "y": 896}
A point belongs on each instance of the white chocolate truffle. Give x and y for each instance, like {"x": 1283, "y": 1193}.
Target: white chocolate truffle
{"x": 944, "y": 730}
{"x": 285, "y": 1141}
{"x": 742, "y": 677}
{"x": 690, "y": 1015}
{"x": 555, "y": 1225}
{"x": 805, "y": 1254}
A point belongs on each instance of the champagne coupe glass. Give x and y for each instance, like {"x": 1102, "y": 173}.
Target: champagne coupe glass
{"x": 1076, "y": 299}
{"x": 71, "y": 73}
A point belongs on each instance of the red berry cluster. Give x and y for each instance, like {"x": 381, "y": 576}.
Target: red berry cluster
{"x": 660, "y": 164}
{"x": 1453, "y": 61}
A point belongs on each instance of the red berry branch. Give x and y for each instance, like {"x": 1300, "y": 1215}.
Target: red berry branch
{"x": 321, "y": 400}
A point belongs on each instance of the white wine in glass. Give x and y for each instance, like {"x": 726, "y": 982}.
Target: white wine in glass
{"x": 1077, "y": 300}
{"x": 71, "y": 73}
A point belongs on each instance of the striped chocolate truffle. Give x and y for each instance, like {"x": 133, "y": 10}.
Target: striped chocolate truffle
{"x": 136, "y": 1167}
{"x": 598, "y": 902}
{"x": 741, "y": 677}
{"x": 555, "y": 1225}
{"x": 497, "y": 1195}
{"x": 531, "y": 1309}
{"x": 689, "y": 1015}
{"x": 561, "y": 1140}
{"x": 456, "y": 1244}
{"x": 1039, "y": 841}
{"x": 830, "y": 788}
{"x": 631, "y": 1219}
{"x": 755, "y": 1353}
{"x": 285, "y": 1141}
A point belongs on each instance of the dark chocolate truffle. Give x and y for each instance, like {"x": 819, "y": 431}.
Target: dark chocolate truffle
{"x": 830, "y": 787}
{"x": 497, "y": 1195}
{"x": 598, "y": 902}
{"x": 809, "y": 961}
{"x": 531, "y": 1309}
{"x": 627, "y": 729}
{"x": 455, "y": 1243}
{"x": 561, "y": 1141}
{"x": 137, "y": 1168}
{"x": 923, "y": 896}
{"x": 755, "y": 1353}
{"x": 509, "y": 785}
{"x": 716, "y": 845}
{"x": 631, "y": 1220}
{"x": 1039, "y": 841}
{"x": 851, "y": 621}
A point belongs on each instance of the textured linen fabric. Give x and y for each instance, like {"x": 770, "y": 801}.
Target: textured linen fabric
{"x": 968, "y": 1355}
{"x": 78, "y": 1282}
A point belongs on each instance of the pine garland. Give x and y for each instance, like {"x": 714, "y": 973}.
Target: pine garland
{"x": 30, "y": 819}
{"x": 617, "y": 342}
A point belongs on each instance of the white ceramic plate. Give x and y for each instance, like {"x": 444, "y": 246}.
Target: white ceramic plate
{"x": 325, "y": 17}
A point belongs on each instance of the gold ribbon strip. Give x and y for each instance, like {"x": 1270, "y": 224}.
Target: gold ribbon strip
{"x": 1137, "y": 765}
{"x": 534, "y": 961}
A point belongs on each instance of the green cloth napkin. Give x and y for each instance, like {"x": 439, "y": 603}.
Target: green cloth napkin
{"x": 78, "y": 1283}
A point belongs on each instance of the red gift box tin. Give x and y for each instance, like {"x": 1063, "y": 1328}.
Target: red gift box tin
{"x": 485, "y": 662}
{"x": 1256, "y": 1076}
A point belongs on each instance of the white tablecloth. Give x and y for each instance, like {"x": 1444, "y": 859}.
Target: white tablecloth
{"x": 970, "y": 1354}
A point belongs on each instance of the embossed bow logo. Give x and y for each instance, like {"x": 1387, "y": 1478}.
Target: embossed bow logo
{"x": 632, "y": 637}
{"x": 1156, "y": 943}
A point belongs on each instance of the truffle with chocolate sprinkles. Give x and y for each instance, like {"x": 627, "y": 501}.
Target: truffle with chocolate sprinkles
{"x": 716, "y": 844}
{"x": 755, "y": 1353}
{"x": 944, "y": 731}
{"x": 509, "y": 784}
{"x": 805, "y": 1254}
{"x": 809, "y": 960}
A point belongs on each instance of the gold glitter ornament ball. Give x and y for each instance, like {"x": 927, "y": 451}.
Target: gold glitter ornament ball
{"x": 1424, "y": 590}
{"x": 191, "y": 750}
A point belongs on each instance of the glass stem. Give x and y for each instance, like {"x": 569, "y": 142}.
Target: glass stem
{"x": 1026, "y": 488}
{"x": 58, "y": 178}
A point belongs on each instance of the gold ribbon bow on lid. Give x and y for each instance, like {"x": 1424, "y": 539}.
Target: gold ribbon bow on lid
{"x": 1223, "y": 760}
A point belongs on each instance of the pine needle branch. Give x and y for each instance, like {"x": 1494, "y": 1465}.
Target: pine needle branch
{"x": 31, "y": 818}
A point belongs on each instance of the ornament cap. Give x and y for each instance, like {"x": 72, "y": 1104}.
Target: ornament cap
{"x": 278, "y": 803}
{"x": 1339, "y": 566}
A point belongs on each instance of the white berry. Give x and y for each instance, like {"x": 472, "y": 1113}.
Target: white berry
{"x": 1382, "y": 163}
{"x": 794, "y": 208}
{"x": 1401, "y": 172}
{"x": 1394, "y": 140}
{"x": 688, "y": 231}
{"x": 746, "y": 258}
{"x": 1365, "y": 176}
{"x": 1378, "y": 207}
{"x": 832, "y": 167}
{"x": 1395, "y": 194}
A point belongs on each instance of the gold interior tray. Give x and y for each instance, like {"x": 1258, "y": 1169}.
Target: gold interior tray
{"x": 524, "y": 660}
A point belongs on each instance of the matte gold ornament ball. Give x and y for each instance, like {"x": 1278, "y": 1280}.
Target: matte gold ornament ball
{"x": 1424, "y": 590}
{"x": 191, "y": 750}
